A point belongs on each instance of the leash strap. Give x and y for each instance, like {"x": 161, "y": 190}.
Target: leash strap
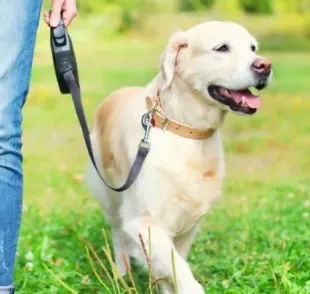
{"x": 143, "y": 149}
{"x": 66, "y": 71}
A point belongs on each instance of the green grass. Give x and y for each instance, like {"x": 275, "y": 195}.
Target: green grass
{"x": 256, "y": 240}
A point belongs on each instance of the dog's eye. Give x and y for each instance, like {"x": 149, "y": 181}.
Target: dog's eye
{"x": 222, "y": 48}
{"x": 253, "y": 48}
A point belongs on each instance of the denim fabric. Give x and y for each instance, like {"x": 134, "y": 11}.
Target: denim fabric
{"x": 7, "y": 290}
{"x": 18, "y": 26}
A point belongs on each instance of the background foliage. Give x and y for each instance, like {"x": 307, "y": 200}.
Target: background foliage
{"x": 129, "y": 13}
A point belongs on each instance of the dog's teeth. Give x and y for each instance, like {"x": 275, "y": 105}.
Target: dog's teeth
{"x": 223, "y": 91}
{"x": 226, "y": 93}
{"x": 243, "y": 102}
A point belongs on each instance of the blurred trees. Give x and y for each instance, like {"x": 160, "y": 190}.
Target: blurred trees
{"x": 249, "y": 6}
{"x": 130, "y": 7}
{"x": 127, "y": 12}
{"x": 123, "y": 15}
{"x": 231, "y": 6}
{"x": 259, "y": 7}
{"x": 291, "y": 6}
{"x": 192, "y": 5}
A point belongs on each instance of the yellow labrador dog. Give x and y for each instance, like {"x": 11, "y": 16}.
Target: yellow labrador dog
{"x": 205, "y": 73}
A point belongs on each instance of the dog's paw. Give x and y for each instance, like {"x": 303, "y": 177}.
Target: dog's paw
{"x": 191, "y": 288}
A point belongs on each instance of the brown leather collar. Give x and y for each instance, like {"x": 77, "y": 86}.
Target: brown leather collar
{"x": 160, "y": 120}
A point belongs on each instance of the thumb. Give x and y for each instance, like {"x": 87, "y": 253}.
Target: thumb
{"x": 56, "y": 12}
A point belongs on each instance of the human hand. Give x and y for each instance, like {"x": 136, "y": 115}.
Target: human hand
{"x": 66, "y": 8}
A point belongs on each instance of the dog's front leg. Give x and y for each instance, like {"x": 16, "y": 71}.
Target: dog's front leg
{"x": 120, "y": 250}
{"x": 161, "y": 248}
{"x": 183, "y": 243}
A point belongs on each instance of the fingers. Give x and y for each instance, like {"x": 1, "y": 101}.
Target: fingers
{"x": 56, "y": 12}
{"x": 66, "y": 8}
{"x": 47, "y": 17}
{"x": 70, "y": 12}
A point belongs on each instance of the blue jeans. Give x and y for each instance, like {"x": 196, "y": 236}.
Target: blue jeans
{"x": 18, "y": 27}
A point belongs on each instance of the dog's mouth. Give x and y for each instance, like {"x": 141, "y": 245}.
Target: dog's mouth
{"x": 240, "y": 101}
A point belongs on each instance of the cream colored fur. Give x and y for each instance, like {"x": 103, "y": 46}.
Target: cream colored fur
{"x": 181, "y": 178}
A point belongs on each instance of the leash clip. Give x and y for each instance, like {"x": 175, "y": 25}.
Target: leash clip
{"x": 147, "y": 125}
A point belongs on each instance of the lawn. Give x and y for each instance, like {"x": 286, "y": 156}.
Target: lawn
{"x": 256, "y": 240}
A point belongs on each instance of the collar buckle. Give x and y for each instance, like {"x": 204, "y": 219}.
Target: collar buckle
{"x": 165, "y": 124}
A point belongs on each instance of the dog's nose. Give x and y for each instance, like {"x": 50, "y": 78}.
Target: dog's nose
{"x": 262, "y": 66}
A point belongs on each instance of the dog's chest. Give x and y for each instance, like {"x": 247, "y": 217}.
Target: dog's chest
{"x": 191, "y": 177}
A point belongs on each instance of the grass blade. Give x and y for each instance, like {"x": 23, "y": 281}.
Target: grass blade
{"x": 95, "y": 272}
{"x": 60, "y": 280}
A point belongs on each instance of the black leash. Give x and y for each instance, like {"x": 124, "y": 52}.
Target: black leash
{"x": 68, "y": 81}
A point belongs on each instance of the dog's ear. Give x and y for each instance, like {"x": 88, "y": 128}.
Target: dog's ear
{"x": 170, "y": 57}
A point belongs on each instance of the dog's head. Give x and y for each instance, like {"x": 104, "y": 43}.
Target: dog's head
{"x": 219, "y": 61}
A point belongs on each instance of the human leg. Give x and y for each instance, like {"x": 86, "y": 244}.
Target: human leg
{"x": 19, "y": 21}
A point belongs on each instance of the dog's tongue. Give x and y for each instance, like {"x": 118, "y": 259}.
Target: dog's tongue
{"x": 246, "y": 97}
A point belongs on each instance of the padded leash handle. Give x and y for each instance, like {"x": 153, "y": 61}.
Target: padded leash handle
{"x": 66, "y": 71}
